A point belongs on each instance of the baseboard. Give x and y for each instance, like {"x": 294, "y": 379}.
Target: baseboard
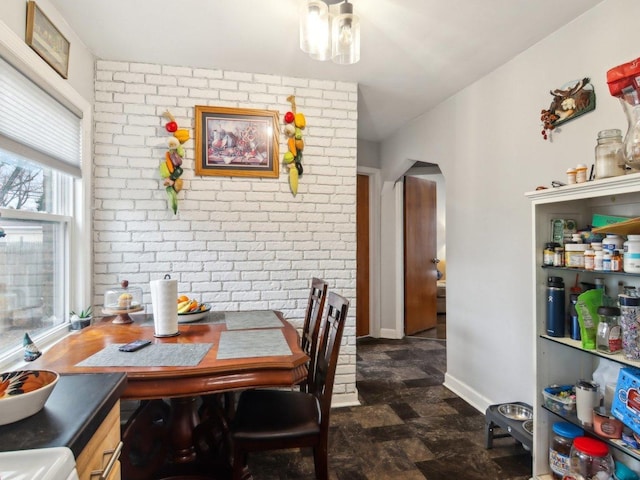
{"x": 390, "y": 333}
{"x": 469, "y": 395}
{"x": 345, "y": 400}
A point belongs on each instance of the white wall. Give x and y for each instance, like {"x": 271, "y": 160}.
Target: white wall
{"x": 238, "y": 243}
{"x": 486, "y": 140}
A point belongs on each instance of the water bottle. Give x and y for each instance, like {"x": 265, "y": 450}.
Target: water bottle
{"x": 555, "y": 307}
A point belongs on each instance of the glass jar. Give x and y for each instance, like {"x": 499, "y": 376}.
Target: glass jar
{"x": 631, "y": 105}
{"x": 609, "y": 154}
{"x": 609, "y": 332}
{"x": 549, "y": 251}
{"x": 589, "y": 457}
{"x": 560, "y": 449}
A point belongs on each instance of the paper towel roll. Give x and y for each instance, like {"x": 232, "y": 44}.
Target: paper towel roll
{"x": 165, "y": 311}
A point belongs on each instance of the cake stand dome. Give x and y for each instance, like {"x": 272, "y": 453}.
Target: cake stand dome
{"x": 122, "y": 301}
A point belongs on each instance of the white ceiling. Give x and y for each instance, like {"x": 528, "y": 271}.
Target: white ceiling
{"x": 415, "y": 53}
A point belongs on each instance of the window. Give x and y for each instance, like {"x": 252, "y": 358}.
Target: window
{"x": 40, "y": 152}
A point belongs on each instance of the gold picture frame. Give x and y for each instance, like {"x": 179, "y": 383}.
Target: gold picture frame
{"x": 46, "y": 40}
{"x": 236, "y": 142}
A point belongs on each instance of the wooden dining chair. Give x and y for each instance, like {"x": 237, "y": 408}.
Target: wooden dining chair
{"x": 312, "y": 320}
{"x": 272, "y": 419}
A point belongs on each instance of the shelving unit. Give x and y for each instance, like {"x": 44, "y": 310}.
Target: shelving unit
{"x": 563, "y": 360}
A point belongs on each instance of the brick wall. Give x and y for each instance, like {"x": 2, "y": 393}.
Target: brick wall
{"x": 237, "y": 243}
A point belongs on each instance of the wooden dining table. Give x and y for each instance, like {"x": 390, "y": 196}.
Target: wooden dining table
{"x": 222, "y": 352}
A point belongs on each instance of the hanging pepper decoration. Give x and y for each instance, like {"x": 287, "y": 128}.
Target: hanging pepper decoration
{"x": 294, "y": 125}
{"x": 171, "y": 166}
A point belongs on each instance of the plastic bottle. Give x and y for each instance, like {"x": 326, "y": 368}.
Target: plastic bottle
{"x": 631, "y": 259}
{"x": 589, "y": 259}
{"x": 606, "y": 261}
{"x": 612, "y": 242}
{"x": 616, "y": 261}
{"x": 581, "y": 173}
{"x": 597, "y": 260}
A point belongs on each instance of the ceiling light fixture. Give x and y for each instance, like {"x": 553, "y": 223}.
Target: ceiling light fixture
{"x": 325, "y": 36}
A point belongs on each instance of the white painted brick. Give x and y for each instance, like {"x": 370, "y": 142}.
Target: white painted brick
{"x": 111, "y": 65}
{"x": 177, "y": 71}
{"x": 109, "y": 86}
{"x": 240, "y": 76}
{"x": 128, "y": 77}
{"x": 145, "y": 68}
{"x": 234, "y": 95}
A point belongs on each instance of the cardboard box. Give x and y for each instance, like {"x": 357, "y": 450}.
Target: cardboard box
{"x": 626, "y": 401}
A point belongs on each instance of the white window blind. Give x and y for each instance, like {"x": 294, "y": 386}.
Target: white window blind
{"x": 33, "y": 124}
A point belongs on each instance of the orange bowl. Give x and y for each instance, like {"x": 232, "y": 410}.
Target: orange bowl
{"x": 24, "y": 392}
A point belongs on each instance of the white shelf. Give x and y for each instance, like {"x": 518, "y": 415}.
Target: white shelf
{"x": 577, "y": 344}
{"x": 562, "y": 360}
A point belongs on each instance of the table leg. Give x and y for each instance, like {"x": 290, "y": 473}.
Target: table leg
{"x": 184, "y": 419}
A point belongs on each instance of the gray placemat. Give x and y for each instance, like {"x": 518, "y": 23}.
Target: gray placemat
{"x": 156, "y": 355}
{"x": 252, "y": 343}
{"x": 249, "y": 319}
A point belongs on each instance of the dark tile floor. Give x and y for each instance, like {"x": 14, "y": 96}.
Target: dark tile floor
{"x": 407, "y": 427}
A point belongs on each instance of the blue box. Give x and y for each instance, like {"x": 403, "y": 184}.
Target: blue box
{"x": 626, "y": 401}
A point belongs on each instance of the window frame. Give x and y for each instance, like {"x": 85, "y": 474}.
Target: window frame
{"x": 80, "y": 288}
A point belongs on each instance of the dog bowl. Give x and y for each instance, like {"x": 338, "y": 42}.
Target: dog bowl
{"x": 528, "y": 426}
{"x": 514, "y": 411}
{"x": 24, "y": 392}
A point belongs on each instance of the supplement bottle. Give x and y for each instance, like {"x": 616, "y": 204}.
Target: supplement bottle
{"x": 612, "y": 242}
{"x": 560, "y": 448}
{"x": 589, "y": 259}
{"x": 631, "y": 259}
{"x": 581, "y": 173}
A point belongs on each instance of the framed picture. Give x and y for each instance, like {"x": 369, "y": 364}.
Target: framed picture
{"x": 46, "y": 40}
{"x": 236, "y": 142}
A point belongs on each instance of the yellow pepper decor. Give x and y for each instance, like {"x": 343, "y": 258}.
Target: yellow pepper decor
{"x": 294, "y": 124}
{"x": 171, "y": 166}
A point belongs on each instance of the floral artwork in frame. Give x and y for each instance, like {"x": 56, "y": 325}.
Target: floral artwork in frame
{"x": 236, "y": 142}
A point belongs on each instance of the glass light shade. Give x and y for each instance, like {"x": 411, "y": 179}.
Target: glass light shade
{"x": 345, "y": 36}
{"x": 315, "y": 29}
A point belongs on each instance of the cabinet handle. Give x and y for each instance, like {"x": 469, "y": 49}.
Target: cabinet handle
{"x": 115, "y": 455}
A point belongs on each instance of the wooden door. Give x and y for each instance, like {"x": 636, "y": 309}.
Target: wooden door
{"x": 420, "y": 244}
{"x": 362, "y": 256}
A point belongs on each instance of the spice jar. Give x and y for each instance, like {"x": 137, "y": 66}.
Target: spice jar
{"x": 560, "y": 448}
{"x": 589, "y": 457}
{"x": 609, "y": 332}
{"x": 610, "y": 160}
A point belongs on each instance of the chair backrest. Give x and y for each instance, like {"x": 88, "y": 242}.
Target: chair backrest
{"x": 328, "y": 351}
{"x": 312, "y": 322}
